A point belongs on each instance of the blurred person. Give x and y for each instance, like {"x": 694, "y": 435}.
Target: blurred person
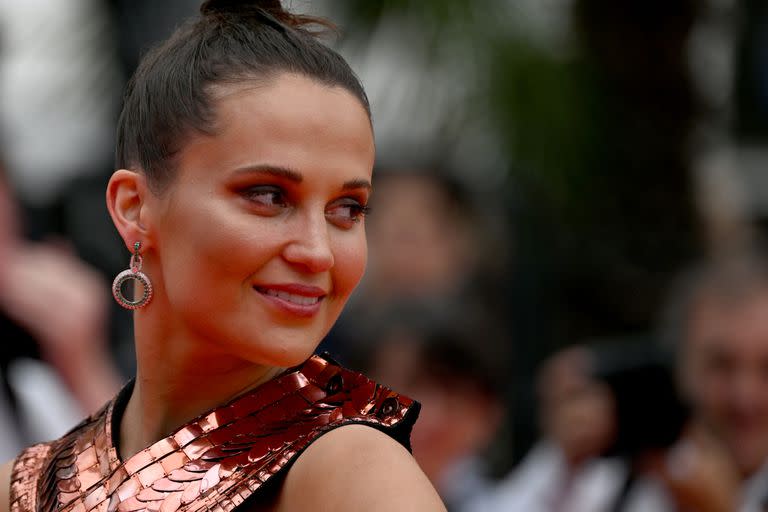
{"x": 577, "y": 418}
{"x": 671, "y": 464}
{"x": 425, "y": 246}
{"x": 462, "y": 411}
{"x": 562, "y": 472}
{"x": 717, "y": 323}
{"x": 614, "y": 439}
{"x": 59, "y": 94}
{"x": 51, "y": 306}
{"x": 428, "y": 252}
{"x": 447, "y": 359}
{"x": 245, "y": 155}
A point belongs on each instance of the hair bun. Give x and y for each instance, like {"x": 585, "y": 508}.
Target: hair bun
{"x": 273, "y": 8}
{"x": 235, "y": 6}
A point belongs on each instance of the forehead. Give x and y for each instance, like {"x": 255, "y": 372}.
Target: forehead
{"x": 736, "y": 324}
{"x": 414, "y": 189}
{"x": 290, "y": 120}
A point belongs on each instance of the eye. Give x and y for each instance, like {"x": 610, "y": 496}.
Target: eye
{"x": 346, "y": 213}
{"x": 268, "y": 198}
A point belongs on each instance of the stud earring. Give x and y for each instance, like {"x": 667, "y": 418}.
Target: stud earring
{"x": 135, "y": 274}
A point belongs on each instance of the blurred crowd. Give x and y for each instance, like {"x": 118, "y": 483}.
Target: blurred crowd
{"x": 575, "y": 289}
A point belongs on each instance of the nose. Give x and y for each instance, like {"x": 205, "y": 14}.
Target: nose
{"x": 310, "y": 245}
{"x": 746, "y": 392}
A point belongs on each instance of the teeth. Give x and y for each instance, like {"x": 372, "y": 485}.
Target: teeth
{"x": 290, "y": 297}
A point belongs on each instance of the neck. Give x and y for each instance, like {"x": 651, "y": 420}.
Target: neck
{"x": 176, "y": 383}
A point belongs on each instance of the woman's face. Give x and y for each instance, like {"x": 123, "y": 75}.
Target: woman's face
{"x": 260, "y": 239}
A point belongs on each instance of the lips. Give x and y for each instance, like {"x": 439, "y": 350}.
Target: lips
{"x": 293, "y": 299}
{"x": 301, "y": 300}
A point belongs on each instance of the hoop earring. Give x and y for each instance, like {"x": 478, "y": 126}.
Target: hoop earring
{"x": 133, "y": 273}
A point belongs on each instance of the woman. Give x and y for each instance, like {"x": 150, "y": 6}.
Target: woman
{"x": 246, "y": 151}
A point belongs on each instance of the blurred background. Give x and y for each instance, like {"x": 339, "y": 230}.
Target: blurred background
{"x": 566, "y": 239}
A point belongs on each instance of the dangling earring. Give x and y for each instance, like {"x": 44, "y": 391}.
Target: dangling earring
{"x": 133, "y": 273}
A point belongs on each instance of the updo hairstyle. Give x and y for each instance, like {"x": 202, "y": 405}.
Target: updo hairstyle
{"x": 170, "y": 94}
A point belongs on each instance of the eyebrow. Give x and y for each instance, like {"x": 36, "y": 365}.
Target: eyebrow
{"x": 271, "y": 170}
{"x": 358, "y": 183}
{"x": 296, "y": 177}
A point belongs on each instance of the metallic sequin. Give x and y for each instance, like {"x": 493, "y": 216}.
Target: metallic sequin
{"x": 216, "y": 461}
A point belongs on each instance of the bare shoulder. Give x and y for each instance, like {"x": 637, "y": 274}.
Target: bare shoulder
{"x": 5, "y": 486}
{"x": 356, "y": 468}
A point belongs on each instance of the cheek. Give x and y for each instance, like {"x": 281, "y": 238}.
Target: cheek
{"x": 350, "y": 258}
{"x": 708, "y": 387}
{"x": 210, "y": 248}
{"x": 702, "y": 378}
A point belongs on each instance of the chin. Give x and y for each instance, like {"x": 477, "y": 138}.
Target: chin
{"x": 292, "y": 358}
{"x": 280, "y": 349}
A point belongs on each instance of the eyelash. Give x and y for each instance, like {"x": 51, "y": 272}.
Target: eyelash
{"x": 252, "y": 193}
{"x": 357, "y": 210}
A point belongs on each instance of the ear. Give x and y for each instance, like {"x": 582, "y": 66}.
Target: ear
{"x": 127, "y": 193}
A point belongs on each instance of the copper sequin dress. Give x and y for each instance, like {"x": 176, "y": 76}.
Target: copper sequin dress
{"x": 213, "y": 463}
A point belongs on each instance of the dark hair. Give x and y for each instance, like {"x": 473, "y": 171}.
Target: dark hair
{"x": 169, "y": 95}
{"x": 467, "y": 348}
{"x": 649, "y": 412}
